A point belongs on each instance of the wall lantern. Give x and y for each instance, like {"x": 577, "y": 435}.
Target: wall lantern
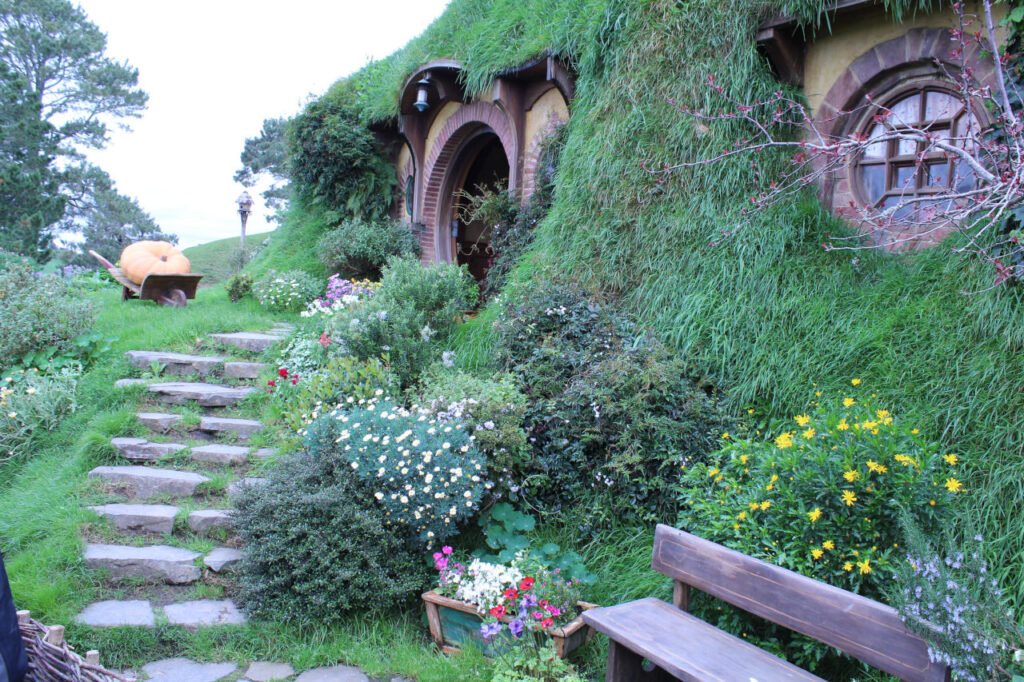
{"x": 421, "y": 103}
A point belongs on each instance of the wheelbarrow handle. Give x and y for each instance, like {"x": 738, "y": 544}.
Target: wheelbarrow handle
{"x": 103, "y": 261}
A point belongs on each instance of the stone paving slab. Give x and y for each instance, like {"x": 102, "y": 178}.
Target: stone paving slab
{"x": 124, "y": 383}
{"x": 204, "y": 613}
{"x": 142, "y": 450}
{"x": 181, "y": 364}
{"x": 145, "y": 482}
{"x": 337, "y": 673}
{"x": 251, "y": 341}
{"x": 112, "y": 614}
{"x": 223, "y": 560}
{"x": 263, "y": 671}
{"x": 243, "y": 428}
{"x": 185, "y": 670}
{"x": 235, "y": 489}
{"x": 206, "y": 395}
{"x": 262, "y": 453}
{"x": 244, "y": 370}
{"x": 204, "y": 519}
{"x": 149, "y": 518}
{"x": 217, "y": 453}
{"x": 158, "y": 421}
{"x": 173, "y": 565}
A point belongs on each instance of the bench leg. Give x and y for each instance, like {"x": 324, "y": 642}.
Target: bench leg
{"x": 625, "y": 665}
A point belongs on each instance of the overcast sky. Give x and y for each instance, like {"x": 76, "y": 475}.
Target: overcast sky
{"x": 214, "y": 69}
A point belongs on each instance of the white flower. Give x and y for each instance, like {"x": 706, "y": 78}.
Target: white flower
{"x": 448, "y": 358}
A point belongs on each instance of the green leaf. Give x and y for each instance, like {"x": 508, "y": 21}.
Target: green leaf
{"x": 550, "y": 549}
{"x": 524, "y": 522}
{"x": 502, "y": 511}
{"x": 1017, "y": 14}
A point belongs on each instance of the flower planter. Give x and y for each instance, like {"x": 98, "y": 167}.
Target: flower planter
{"x": 454, "y": 623}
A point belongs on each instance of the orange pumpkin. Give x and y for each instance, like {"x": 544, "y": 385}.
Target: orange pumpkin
{"x": 152, "y": 258}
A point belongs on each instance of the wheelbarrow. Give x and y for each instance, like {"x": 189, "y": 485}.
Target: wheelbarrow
{"x": 173, "y": 290}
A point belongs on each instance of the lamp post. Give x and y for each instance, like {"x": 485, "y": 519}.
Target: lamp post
{"x": 244, "y": 202}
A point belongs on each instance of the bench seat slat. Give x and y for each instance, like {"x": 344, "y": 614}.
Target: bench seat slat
{"x": 689, "y": 648}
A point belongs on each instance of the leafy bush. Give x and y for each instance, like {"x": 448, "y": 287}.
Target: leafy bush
{"x": 340, "y": 294}
{"x": 37, "y": 312}
{"x": 360, "y": 248}
{"x": 492, "y": 409}
{"x": 303, "y": 354}
{"x": 31, "y": 404}
{"x": 342, "y": 377}
{"x": 612, "y": 414}
{"x": 286, "y": 291}
{"x": 824, "y": 499}
{"x": 239, "y": 286}
{"x": 336, "y": 161}
{"x": 948, "y": 596}
{"x": 415, "y": 308}
{"x": 426, "y": 475}
{"x": 316, "y": 545}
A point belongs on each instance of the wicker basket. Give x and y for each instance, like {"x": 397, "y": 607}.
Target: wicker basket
{"x": 51, "y": 659}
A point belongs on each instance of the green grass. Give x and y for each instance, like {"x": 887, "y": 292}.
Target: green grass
{"x": 217, "y": 259}
{"x": 294, "y": 245}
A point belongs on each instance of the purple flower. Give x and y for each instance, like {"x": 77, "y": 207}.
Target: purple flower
{"x": 527, "y": 602}
{"x": 516, "y": 627}
{"x": 489, "y": 630}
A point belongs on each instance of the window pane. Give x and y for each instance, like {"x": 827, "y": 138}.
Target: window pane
{"x": 906, "y": 147}
{"x": 873, "y": 180}
{"x": 877, "y": 149}
{"x": 905, "y": 176}
{"x": 965, "y": 178}
{"x": 907, "y": 110}
{"x": 938, "y": 174}
{"x": 940, "y": 105}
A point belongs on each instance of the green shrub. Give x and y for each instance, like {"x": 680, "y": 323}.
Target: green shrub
{"x": 407, "y": 319}
{"x": 612, "y": 414}
{"x": 239, "y": 286}
{"x": 823, "y": 498}
{"x": 426, "y": 475}
{"x": 359, "y": 249}
{"x": 336, "y": 161}
{"x": 342, "y": 377}
{"x": 303, "y": 354}
{"x": 286, "y": 291}
{"x": 317, "y": 547}
{"x": 492, "y": 409}
{"x": 37, "y": 313}
{"x": 32, "y": 404}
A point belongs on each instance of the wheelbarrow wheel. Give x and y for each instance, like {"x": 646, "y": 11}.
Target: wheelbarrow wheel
{"x": 174, "y": 298}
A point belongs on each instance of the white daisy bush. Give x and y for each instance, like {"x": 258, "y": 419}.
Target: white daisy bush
{"x": 286, "y": 291}
{"x": 427, "y": 474}
{"x": 32, "y": 403}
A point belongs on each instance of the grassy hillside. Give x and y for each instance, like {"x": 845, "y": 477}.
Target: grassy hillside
{"x": 216, "y": 259}
{"x": 769, "y": 313}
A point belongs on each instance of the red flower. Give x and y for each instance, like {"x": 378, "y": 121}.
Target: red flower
{"x": 498, "y": 611}
{"x": 324, "y": 341}
{"x": 544, "y": 604}
{"x": 526, "y": 584}
{"x": 546, "y": 623}
{"x": 283, "y": 373}
{"x": 511, "y": 594}
{"x": 271, "y": 383}
{"x": 294, "y": 381}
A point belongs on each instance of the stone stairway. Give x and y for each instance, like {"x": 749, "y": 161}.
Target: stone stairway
{"x": 153, "y": 496}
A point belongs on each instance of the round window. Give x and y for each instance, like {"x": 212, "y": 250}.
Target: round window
{"x": 903, "y": 173}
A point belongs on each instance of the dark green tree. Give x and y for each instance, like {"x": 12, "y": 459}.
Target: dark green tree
{"x": 60, "y": 92}
{"x": 266, "y": 155}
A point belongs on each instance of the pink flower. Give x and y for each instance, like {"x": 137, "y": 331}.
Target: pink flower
{"x": 324, "y": 341}
{"x": 446, "y": 549}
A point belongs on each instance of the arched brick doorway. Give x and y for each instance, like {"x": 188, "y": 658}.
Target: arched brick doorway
{"x": 472, "y": 130}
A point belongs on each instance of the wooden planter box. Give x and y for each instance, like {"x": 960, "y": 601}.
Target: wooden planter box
{"x": 454, "y": 623}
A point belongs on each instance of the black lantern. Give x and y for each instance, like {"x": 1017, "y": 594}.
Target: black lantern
{"x": 421, "y": 103}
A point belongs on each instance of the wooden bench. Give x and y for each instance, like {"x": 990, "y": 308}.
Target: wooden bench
{"x": 686, "y": 648}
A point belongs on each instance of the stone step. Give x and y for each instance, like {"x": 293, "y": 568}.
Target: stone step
{"x": 149, "y": 518}
{"x": 335, "y": 673}
{"x": 251, "y": 341}
{"x": 203, "y": 520}
{"x": 172, "y": 565}
{"x": 223, "y": 560}
{"x": 141, "y": 450}
{"x": 161, "y": 422}
{"x": 216, "y": 453}
{"x": 243, "y": 428}
{"x": 207, "y": 395}
{"x": 112, "y": 614}
{"x": 235, "y": 489}
{"x": 244, "y": 370}
{"x": 124, "y": 383}
{"x": 180, "y": 364}
{"x": 262, "y": 453}
{"x": 267, "y": 671}
{"x": 204, "y": 613}
{"x": 144, "y": 482}
{"x": 185, "y": 670}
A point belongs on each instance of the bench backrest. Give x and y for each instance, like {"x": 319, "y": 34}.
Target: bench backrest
{"x": 865, "y": 629}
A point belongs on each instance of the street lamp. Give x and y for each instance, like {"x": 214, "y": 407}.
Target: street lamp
{"x": 422, "y": 93}
{"x": 244, "y": 202}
